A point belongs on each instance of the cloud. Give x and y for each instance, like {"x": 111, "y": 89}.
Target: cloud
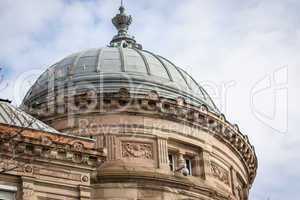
{"x": 219, "y": 42}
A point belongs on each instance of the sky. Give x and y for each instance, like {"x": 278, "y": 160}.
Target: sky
{"x": 245, "y": 53}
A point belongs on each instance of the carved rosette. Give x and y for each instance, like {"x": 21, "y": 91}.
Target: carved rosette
{"x": 28, "y": 169}
{"x": 78, "y": 146}
{"x": 84, "y": 179}
{"x": 137, "y": 150}
{"x": 220, "y": 173}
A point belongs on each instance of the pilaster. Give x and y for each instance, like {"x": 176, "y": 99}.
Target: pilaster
{"x": 28, "y": 192}
{"x": 162, "y": 151}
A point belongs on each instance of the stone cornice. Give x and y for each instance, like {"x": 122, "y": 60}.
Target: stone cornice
{"x": 155, "y": 181}
{"x": 30, "y": 146}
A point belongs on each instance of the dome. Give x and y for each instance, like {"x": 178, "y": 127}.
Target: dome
{"x": 122, "y": 64}
{"x": 110, "y": 68}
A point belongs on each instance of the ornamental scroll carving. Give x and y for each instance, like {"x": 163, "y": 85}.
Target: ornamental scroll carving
{"x": 220, "y": 173}
{"x": 137, "y": 150}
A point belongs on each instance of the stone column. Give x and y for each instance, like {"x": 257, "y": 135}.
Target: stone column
{"x": 51, "y": 92}
{"x": 206, "y": 165}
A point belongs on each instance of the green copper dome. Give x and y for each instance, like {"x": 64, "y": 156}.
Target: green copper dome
{"x": 111, "y": 68}
{"x": 123, "y": 64}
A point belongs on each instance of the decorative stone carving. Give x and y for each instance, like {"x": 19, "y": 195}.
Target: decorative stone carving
{"x": 137, "y": 150}
{"x": 236, "y": 127}
{"x": 220, "y": 173}
{"x": 77, "y": 158}
{"x": 180, "y": 101}
{"x": 28, "y": 169}
{"x": 124, "y": 93}
{"x": 204, "y": 108}
{"x": 84, "y": 179}
{"x": 222, "y": 117}
{"x": 78, "y": 146}
{"x": 153, "y": 95}
{"x": 46, "y": 140}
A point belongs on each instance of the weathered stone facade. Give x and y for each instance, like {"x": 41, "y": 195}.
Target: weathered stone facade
{"x": 130, "y": 160}
{"x": 44, "y": 165}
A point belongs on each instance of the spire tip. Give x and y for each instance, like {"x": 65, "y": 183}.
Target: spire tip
{"x": 122, "y": 22}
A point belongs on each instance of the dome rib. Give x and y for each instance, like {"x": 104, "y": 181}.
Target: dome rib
{"x": 183, "y": 78}
{"x": 122, "y": 59}
{"x": 144, "y": 59}
{"x": 75, "y": 61}
{"x": 157, "y": 58}
{"x": 98, "y": 67}
{"x": 199, "y": 87}
{"x": 178, "y": 72}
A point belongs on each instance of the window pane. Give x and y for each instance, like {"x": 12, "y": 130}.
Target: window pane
{"x": 7, "y": 195}
{"x": 171, "y": 162}
{"x": 188, "y": 163}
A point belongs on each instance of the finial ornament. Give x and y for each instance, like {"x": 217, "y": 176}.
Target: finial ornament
{"x": 122, "y": 22}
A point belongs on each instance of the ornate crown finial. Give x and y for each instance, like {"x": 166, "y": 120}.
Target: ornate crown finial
{"x": 122, "y": 22}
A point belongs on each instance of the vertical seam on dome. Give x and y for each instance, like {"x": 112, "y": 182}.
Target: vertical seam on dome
{"x": 161, "y": 62}
{"x": 145, "y": 61}
{"x": 204, "y": 93}
{"x": 122, "y": 59}
{"x": 199, "y": 87}
{"x": 36, "y": 82}
{"x": 72, "y": 68}
{"x": 98, "y": 67}
{"x": 182, "y": 76}
{"x": 211, "y": 101}
{"x": 51, "y": 80}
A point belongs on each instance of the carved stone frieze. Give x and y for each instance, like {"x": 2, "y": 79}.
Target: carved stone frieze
{"x": 137, "y": 150}
{"x": 220, "y": 173}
